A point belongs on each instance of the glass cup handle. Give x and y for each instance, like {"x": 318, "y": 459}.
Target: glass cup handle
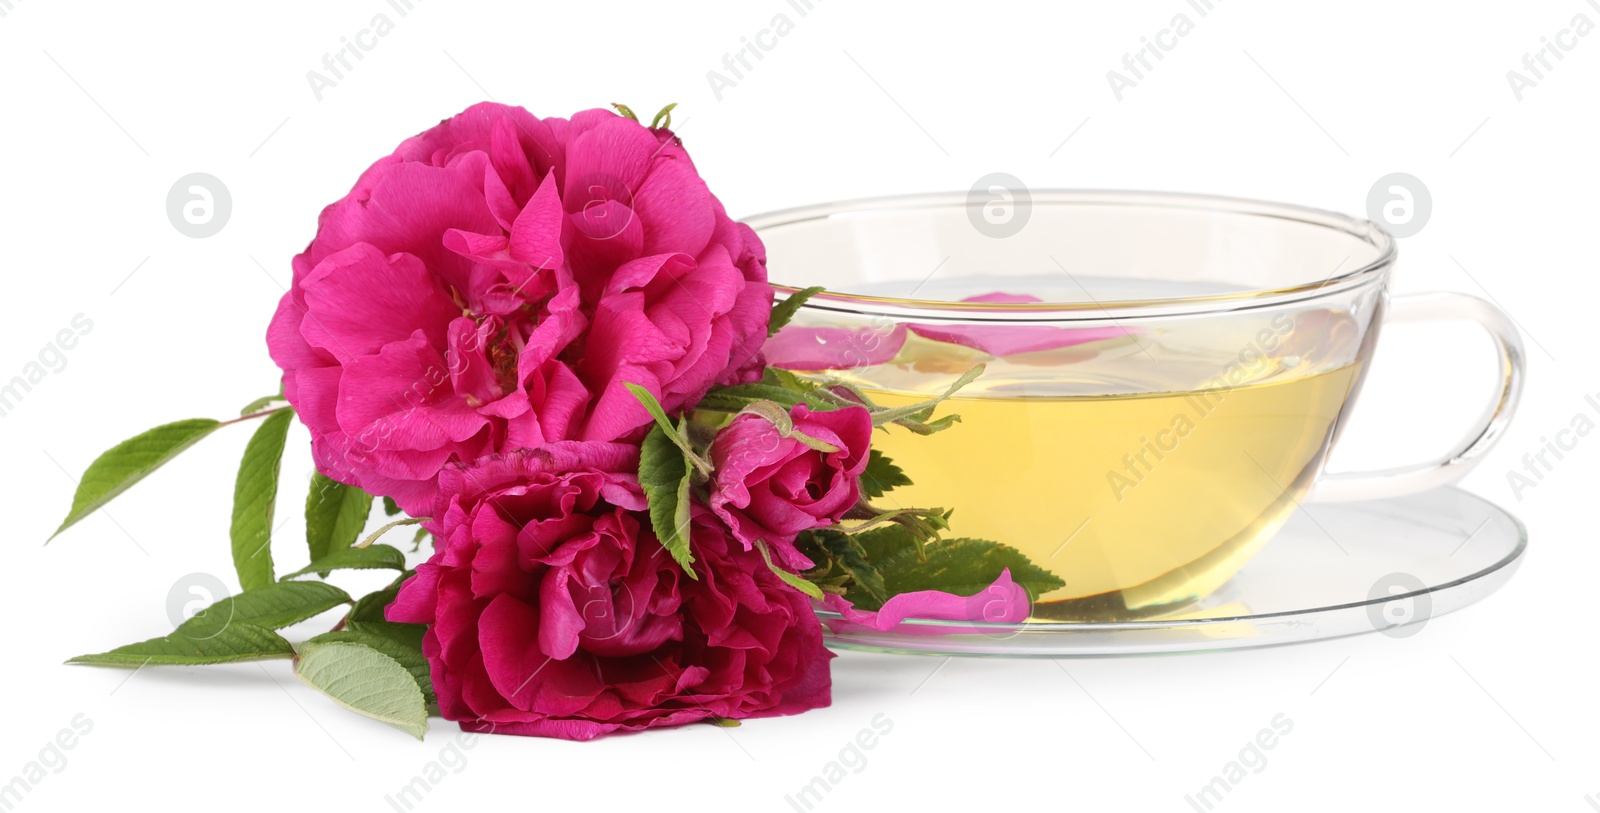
{"x": 1453, "y": 465}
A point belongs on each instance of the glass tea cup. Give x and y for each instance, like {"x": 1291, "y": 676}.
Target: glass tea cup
{"x": 1164, "y": 374}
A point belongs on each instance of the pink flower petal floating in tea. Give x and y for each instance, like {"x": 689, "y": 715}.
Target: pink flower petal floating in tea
{"x": 1004, "y": 602}
{"x": 1008, "y": 340}
{"x": 833, "y": 348}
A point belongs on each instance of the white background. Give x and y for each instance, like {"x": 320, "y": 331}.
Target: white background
{"x": 107, "y": 104}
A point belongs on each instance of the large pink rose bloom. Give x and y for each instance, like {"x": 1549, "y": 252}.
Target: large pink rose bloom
{"x": 553, "y": 611}
{"x": 492, "y": 284}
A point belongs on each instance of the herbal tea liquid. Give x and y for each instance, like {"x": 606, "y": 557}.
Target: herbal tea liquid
{"x": 1140, "y": 501}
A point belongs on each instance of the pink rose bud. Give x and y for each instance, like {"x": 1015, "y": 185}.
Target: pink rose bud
{"x": 768, "y": 487}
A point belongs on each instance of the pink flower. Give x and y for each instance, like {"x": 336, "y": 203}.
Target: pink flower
{"x": 553, "y": 610}
{"x": 1004, "y": 602}
{"x": 492, "y": 284}
{"x": 768, "y": 487}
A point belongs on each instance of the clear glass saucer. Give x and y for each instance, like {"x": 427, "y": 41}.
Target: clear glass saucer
{"x": 1335, "y": 569}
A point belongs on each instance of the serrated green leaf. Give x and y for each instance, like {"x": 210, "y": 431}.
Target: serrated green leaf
{"x": 273, "y": 606}
{"x": 849, "y": 555}
{"x": 736, "y": 397}
{"x": 390, "y": 507}
{"x": 885, "y": 541}
{"x": 963, "y": 567}
{"x": 664, "y": 477}
{"x": 785, "y": 310}
{"x": 130, "y": 461}
{"x": 860, "y": 554}
{"x": 255, "y": 495}
{"x": 788, "y": 578}
{"x": 335, "y": 515}
{"x": 779, "y": 377}
{"x": 367, "y": 681}
{"x": 405, "y": 652}
{"x": 232, "y": 643}
{"x": 371, "y": 557}
{"x": 881, "y": 476}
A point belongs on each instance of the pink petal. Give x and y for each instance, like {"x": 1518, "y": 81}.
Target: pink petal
{"x": 536, "y": 236}
{"x": 833, "y": 348}
{"x": 1004, "y": 602}
{"x": 1007, "y": 340}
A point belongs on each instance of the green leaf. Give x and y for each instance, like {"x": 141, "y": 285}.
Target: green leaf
{"x": 663, "y": 117}
{"x": 736, "y": 397}
{"x": 131, "y": 461}
{"x": 390, "y": 507}
{"x": 335, "y": 515}
{"x": 788, "y": 578}
{"x": 259, "y": 404}
{"x": 624, "y": 110}
{"x": 370, "y": 607}
{"x": 851, "y": 557}
{"x": 232, "y": 643}
{"x": 274, "y": 606}
{"x": 881, "y": 476}
{"x": 785, "y": 310}
{"x": 406, "y": 653}
{"x": 963, "y": 567}
{"x": 664, "y": 476}
{"x": 860, "y": 554}
{"x": 881, "y": 543}
{"x": 365, "y": 680}
{"x": 653, "y": 406}
{"x": 255, "y": 494}
{"x": 372, "y": 557}
{"x": 779, "y": 377}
